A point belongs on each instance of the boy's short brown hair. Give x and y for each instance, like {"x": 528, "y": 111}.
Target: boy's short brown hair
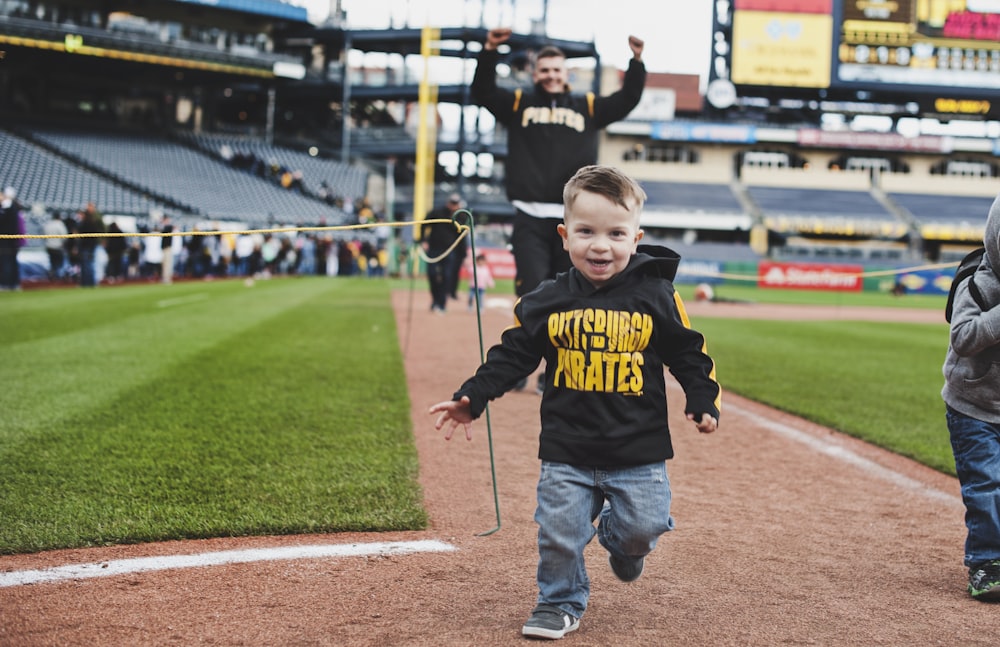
{"x": 607, "y": 181}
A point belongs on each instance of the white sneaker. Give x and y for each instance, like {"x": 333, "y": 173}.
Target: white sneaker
{"x": 550, "y": 622}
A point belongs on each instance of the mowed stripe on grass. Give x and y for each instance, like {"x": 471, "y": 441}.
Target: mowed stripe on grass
{"x": 276, "y": 409}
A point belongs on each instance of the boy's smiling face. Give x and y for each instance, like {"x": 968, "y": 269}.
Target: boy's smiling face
{"x": 600, "y": 236}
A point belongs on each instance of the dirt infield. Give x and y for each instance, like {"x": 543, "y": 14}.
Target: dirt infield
{"x": 787, "y": 533}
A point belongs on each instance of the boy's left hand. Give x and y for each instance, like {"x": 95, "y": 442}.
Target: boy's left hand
{"x": 706, "y": 425}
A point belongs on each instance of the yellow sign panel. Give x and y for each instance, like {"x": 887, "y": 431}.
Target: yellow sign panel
{"x": 782, "y": 49}
{"x": 962, "y": 106}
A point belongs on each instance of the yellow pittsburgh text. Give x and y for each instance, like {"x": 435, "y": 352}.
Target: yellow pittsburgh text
{"x": 600, "y": 350}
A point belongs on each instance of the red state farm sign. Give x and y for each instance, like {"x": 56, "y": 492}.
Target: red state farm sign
{"x": 808, "y": 276}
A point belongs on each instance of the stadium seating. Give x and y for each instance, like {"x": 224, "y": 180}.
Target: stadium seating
{"x": 820, "y": 202}
{"x": 946, "y": 217}
{"x": 825, "y": 212}
{"x": 683, "y": 196}
{"x": 953, "y": 209}
{"x": 60, "y": 185}
{"x": 200, "y": 184}
{"x": 344, "y": 179}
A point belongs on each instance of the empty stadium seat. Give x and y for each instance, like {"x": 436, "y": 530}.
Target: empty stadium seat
{"x": 204, "y": 185}
{"x": 60, "y": 185}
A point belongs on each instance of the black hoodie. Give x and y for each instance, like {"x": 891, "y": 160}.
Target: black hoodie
{"x": 605, "y": 401}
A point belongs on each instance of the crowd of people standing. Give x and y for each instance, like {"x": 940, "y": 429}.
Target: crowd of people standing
{"x": 87, "y": 249}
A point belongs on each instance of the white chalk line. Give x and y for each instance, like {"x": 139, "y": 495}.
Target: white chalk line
{"x": 147, "y": 564}
{"x": 847, "y": 456}
{"x": 177, "y": 301}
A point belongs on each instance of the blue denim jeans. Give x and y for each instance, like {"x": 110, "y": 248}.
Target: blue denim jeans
{"x": 976, "y": 445}
{"x": 88, "y": 270}
{"x": 630, "y": 504}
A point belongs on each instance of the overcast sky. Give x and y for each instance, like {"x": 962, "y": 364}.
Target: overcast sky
{"x": 680, "y": 43}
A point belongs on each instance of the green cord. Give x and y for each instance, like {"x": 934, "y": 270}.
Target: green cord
{"x": 482, "y": 358}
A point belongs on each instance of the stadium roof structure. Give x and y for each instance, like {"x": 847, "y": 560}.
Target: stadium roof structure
{"x": 270, "y": 8}
{"x": 452, "y": 41}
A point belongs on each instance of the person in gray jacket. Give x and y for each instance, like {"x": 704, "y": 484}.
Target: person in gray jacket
{"x": 972, "y": 395}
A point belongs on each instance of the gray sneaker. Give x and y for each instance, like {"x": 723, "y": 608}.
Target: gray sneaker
{"x": 627, "y": 569}
{"x": 549, "y": 622}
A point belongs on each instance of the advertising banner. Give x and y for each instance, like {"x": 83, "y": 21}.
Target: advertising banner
{"x": 782, "y": 49}
{"x": 699, "y": 272}
{"x": 500, "y": 262}
{"x": 927, "y": 281}
{"x": 810, "y": 276}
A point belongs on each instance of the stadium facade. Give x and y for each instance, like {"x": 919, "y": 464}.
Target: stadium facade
{"x": 198, "y": 108}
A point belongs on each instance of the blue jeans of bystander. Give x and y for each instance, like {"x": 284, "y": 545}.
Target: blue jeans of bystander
{"x": 88, "y": 269}
{"x": 633, "y": 504}
{"x": 976, "y": 445}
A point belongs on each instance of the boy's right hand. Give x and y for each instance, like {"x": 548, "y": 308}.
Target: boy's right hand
{"x": 457, "y": 411}
{"x": 706, "y": 423}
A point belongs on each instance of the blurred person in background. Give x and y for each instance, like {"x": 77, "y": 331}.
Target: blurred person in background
{"x": 167, "y": 255}
{"x": 55, "y": 247}
{"x": 436, "y": 238}
{"x": 116, "y": 247}
{"x": 91, "y": 222}
{"x": 72, "y": 248}
{"x": 481, "y": 279}
{"x": 242, "y": 251}
{"x": 152, "y": 258}
{"x": 11, "y": 224}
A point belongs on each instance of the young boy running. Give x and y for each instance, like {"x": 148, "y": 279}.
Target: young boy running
{"x": 607, "y": 329}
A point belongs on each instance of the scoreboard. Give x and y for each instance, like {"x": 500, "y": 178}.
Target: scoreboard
{"x": 940, "y": 55}
{"x": 922, "y": 44}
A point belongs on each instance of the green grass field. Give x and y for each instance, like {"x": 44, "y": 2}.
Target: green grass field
{"x": 152, "y": 412}
{"x": 882, "y": 384}
{"x": 202, "y": 409}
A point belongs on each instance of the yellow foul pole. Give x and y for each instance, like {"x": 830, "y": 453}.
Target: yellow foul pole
{"x": 423, "y": 187}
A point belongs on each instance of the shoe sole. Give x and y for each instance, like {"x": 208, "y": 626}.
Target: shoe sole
{"x": 642, "y": 566}
{"x": 549, "y": 634}
{"x": 987, "y": 595}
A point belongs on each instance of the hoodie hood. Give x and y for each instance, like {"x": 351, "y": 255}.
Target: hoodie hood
{"x": 656, "y": 260}
{"x": 987, "y": 276}
{"x": 991, "y": 236}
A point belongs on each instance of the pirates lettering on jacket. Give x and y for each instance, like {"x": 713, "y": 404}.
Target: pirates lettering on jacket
{"x": 600, "y": 350}
{"x": 555, "y": 116}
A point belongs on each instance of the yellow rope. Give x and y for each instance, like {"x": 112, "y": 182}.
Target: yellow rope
{"x": 212, "y": 232}
{"x": 463, "y": 233}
